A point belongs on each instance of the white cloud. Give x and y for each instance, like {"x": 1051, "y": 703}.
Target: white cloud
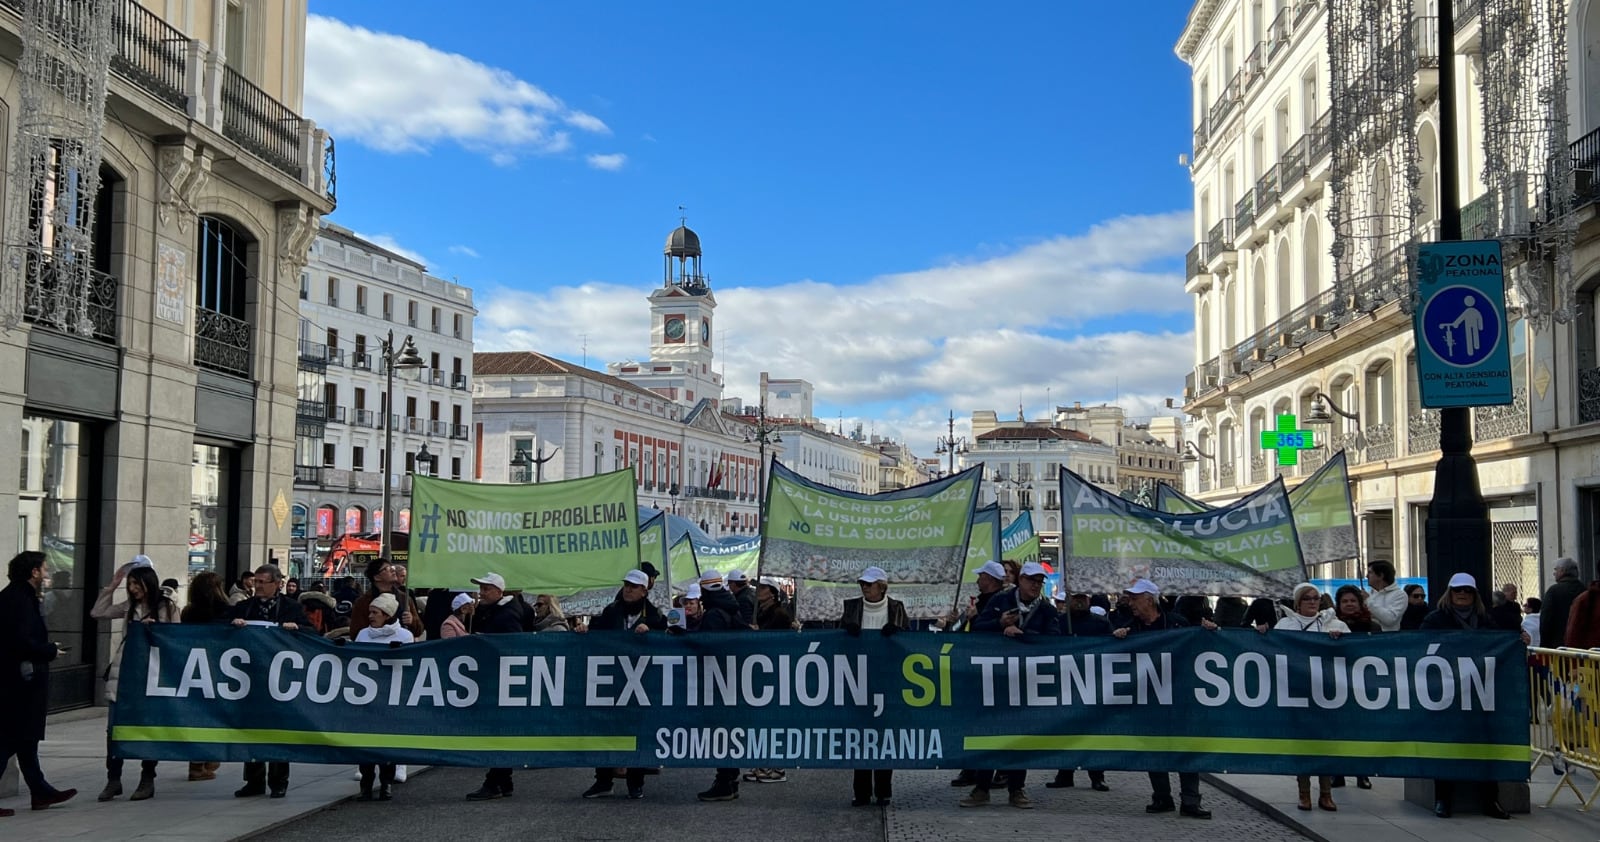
{"x": 398, "y": 94}
{"x": 610, "y": 163}
{"x": 464, "y": 251}
{"x": 1078, "y": 317}
{"x": 388, "y": 242}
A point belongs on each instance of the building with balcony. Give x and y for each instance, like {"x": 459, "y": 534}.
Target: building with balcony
{"x": 151, "y": 393}
{"x": 1275, "y": 335}
{"x": 1022, "y": 465}
{"x": 355, "y": 297}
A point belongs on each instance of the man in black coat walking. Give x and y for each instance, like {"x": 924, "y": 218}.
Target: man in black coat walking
{"x": 266, "y": 605}
{"x": 632, "y": 612}
{"x": 25, "y": 656}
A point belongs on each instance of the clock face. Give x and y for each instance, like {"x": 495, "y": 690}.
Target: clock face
{"x": 675, "y": 329}
{"x": 705, "y": 331}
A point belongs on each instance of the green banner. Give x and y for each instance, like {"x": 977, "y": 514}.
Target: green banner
{"x": 1418, "y": 704}
{"x": 1246, "y": 549}
{"x": 682, "y": 560}
{"x": 1018, "y": 541}
{"x": 553, "y": 537}
{"x": 917, "y": 535}
{"x": 983, "y": 544}
{"x": 1324, "y": 516}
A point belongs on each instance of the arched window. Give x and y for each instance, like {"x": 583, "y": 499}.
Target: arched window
{"x": 1312, "y": 259}
{"x": 1285, "y": 280}
{"x": 222, "y": 298}
{"x": 1258, "y": 294}
{"x": 1428, "y": 151}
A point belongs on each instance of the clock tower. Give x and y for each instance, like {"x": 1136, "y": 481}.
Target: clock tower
{"x": 682, "y": 332}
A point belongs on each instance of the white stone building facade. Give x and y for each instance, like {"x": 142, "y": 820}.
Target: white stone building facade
{"x": 356, "y": 296}
{"x": 1271, "y": 333}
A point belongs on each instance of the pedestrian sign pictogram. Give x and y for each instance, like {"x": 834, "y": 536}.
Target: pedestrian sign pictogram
{"x": 1463, "y": 356}
{"x": 1287, "y": 440}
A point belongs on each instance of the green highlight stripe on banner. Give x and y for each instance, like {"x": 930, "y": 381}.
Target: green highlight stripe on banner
{"x": 1248, "y": 745}
{"x": 457, "y": 742}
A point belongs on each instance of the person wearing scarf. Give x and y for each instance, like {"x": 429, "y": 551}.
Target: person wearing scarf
{"x": 383, "y": 629}
{"x": 1461, "y": 609}
{"x": 1309, "y": 617}
{"x": 873, "y": 611}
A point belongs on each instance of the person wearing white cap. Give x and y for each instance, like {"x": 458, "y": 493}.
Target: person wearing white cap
{"x": 1144, "y": 605}
{"x": 691, "y": 607}
{"x": 383, "y": 628}
{"x": 719, "y": 612}
{"x": 497, "y": 612}
{"x": 739, "y": 586}
{"x": 991, "y": 579}
{"x": 455, "y": 625}
{"x": 144, "y": 603}
{"x": 1462, "y": 609}
{"x": 1020, "y": 611}
{"x": 875, "y": 611}
{"x": 630, "y": 612}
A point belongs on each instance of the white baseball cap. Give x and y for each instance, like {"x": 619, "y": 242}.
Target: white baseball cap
{"x": 1097, "y": 611}
{"x": 1143, "y": 586}
{"x": 637, "y": 577}
{"x": 736, "y": 576}
{"x": 993, "y": 568}
{"x": 1032, "y": 568}
{"x": 1463, "y": 580}
{"x": 494, "y": 579}
{"x": 711, "y": 580}
{"x": 692, "y": 592}
{"x": 873, "y": 574}
{"x": 460, "y": 600}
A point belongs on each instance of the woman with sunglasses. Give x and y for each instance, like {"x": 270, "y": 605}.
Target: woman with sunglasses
{"x": 1461, "y": 609}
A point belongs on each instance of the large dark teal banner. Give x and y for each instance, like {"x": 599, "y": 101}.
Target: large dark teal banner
{"x": 1451, "y": 705}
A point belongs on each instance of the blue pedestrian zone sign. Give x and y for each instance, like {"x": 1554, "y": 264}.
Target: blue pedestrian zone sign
{"x": 1463, "y": 356}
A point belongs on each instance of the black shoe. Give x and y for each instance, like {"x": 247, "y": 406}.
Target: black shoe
{"x": 883, "y": 802}
{"x": 720, "y": 791}
{"x": 1338, "y": 781}
{"x": 1442, "y": 810}
{"x": 1494, "y": 811}
{"x": 1363, "y": 782}
{"x": 1195, "y": 812}
{"x": 1100, "y": 786}
{"x": 1160, "y": 806}
{"x": 964, "y": 779}
{"x": 383, "y": 793}
{"x": 485, "y": 793}
{"x": 600, "y": 788}
{"x": 249, "y": 791}
{"x": 278, "y": 792}
{"x": 635, "y": 792}
{"x": 366, "y": 792}
{"x": 1061, "y": 782}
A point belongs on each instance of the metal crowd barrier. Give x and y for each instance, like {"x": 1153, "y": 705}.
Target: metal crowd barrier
{"x": 1564, "y": 724}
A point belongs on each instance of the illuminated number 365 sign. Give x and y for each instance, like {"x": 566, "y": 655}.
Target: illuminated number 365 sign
{"x": 1287, "y": 440}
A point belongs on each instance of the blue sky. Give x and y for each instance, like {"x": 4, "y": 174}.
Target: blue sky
{"x": 918, "y": 207}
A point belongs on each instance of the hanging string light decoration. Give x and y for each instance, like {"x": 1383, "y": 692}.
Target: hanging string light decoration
{"x": 1527, "y": 166}
{"x": 48, "y": 272}
{"x": 1375, "y": 201}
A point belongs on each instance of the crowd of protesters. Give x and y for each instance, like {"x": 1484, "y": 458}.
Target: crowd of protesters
{"x": 1009, "y": 601}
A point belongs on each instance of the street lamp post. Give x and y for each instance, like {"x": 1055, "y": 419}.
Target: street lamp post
{"x": 951, "y": 445}
{"x": 407, "y": 357}
{"x": 763, "y": 435}
{"x": 524, "y": 460}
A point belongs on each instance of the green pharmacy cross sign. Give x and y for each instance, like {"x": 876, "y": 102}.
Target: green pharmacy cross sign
{"x": 1287, "y": 440}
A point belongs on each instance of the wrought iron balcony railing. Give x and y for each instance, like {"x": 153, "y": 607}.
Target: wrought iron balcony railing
{"x": 1244, "y": 210}
{"x": 1422, "y": 432}
{"x": 1589, "y": 395}
{"x": 313, "y": 352}
{"x": 79, "y": 301}
{"x": 307, "y": 474}
{"x": 1194, "y": 262}
{"x": 259, "y": 123}
{"x": 1381, "y": 442}
{"x": 1220, "y": 240}
{"x": 458, "y": 381}
{"x": 336, "y": 414}
{"x": 1426, "y": 30}
{"x": 221, "y": 342}
{"x": 1467, "y": 11}
{"x": 459, "y": 431}
{"x": 439, "y": 428}
{"x": 1268, "y": 188}
{"x": 150, "y": 53}
{"x": 314, "y": 411}
{"x": 1500, "y": 422}
{"x": 366, "y": 418}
